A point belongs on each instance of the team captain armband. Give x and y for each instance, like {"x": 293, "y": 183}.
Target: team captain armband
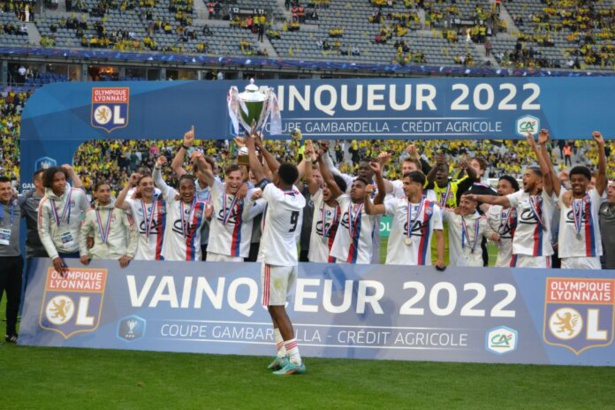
{"x": 263, "y": 183}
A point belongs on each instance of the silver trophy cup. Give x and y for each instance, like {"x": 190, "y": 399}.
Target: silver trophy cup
{"x": 252, "y": 107}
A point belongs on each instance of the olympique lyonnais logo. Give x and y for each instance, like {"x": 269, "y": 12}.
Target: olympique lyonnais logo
{"x": 110, "y": 107}
{"x": 579, "y": 313}
{"x": 73, "y": 303}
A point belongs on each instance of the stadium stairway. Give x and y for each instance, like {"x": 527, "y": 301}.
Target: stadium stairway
{"x": 287, "y": 13}
{"x": 61, "y": 5}
{"x": 510, "y": 23}
{"x": 34, "y": 36}
{"x": 480, "y": 49}
{"x": 200, "y": 9}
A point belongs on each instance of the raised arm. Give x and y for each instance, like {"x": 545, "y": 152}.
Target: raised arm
{"x": 380, "y": 182}
{"x": 383, "y": 159}
{"x": 308, "y": 160}
{"x": 465, "y": 166}
{"x": 547, "y": 181}
{"x": 327, "y": 176}
{"x": 324, "y": 145}
{"x": 199, "y": 159}
{"x": 178, "y": 160}
{"x": 73, "y": 176}
{"x": 370, "y": 207}
{"x": 601, "y": 180}
{"x": 491, "y": 200}
{"x": 120, "y": 202}
{"x": 157, "y": 176}
{"x": 255, "y": 165}
{"x": 440, "y": 160}
{"x": 272, "y": 163}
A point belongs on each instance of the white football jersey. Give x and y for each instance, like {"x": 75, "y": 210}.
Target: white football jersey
{"x": 355, "y": 234}
{"x": 534, "y": 215}
{"x": 150, "y": 220}
{"x": 412, "y": 247}
{"x": 465, "y": 234}
{"x": 281, "y": 225}
{"x": 504, "y": 222}
{"x": 232, "y": 221}
{"x": 579, "y": 228}
{"x": 324, "y": 227}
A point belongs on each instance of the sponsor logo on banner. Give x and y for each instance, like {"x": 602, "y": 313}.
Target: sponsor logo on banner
{"x": 579, "y": 313}
{"x": 527, "y": 123}
{"x": 110, "y": 107}
{"x": 73, "y": 303}
{"x": 44, "y": 163}
{"x": 131, "y": 328}
{"x": 500, "y": 340}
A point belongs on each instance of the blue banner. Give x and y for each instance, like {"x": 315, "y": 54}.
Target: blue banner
{"x": 60, "y": 117}
{"x": 343, "y": 311}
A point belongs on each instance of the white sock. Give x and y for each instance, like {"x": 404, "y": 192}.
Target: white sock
{"x": 293, "y": 351}
{"x": 279, "y": 342}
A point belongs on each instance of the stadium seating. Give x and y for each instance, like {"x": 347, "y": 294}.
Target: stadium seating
{"x": 549, "y": 34}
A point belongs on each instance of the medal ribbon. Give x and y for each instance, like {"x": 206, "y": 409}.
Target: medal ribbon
{"x": 150, "y": 218}
{"x": 325, "y": 231}
{"x": 507, "y": 217}
{"x": 444, "y": 199}
{"x": 186, "y": 229}
{"x": 354, "y": 218}
{"x": 577, "y": 212}
{"x": 227, "y": 215}
{"x": 416, "y": 216}
{"x": 464, "y": 234}
{"x": 104, "y": 232}
{"x": 536, "y": 205}
{"x": 66, "y": 210}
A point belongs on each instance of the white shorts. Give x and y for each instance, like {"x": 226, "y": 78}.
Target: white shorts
{"x": 581, "y": 262}
{"x": 216, "y": 257}
{"x": 529, "y": 261}
{"x": 277, "y": 282}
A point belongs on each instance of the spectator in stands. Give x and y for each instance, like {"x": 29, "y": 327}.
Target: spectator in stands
{"x": 567, "y": 152}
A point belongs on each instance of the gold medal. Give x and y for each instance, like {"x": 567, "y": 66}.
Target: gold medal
{"x": 408, "y": 241}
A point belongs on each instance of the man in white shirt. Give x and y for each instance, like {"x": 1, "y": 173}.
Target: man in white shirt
{"x": 580, "y": 240}
{"x": 355, "y": 235}
{"x": 278, "y": 251}
{"x": 466, "y": 230}
{"x": 415, "y": 222}
{"x": 232, "y": 217}
{"x": 534, "y": 205}
{"x": 185, "y": 216}
{"x": 503, "y": 220}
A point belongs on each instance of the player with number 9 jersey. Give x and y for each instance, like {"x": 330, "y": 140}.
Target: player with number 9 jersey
{"x": 281, "y": 225}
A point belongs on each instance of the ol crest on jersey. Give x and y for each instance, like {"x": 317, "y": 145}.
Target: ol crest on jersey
{"x": 110, "y": 107}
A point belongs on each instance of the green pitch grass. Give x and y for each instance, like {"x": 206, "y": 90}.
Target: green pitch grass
{"x": 62, "y": 378}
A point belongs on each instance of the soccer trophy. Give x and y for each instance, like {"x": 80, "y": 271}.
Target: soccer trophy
{"x": 252, "y": 108}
